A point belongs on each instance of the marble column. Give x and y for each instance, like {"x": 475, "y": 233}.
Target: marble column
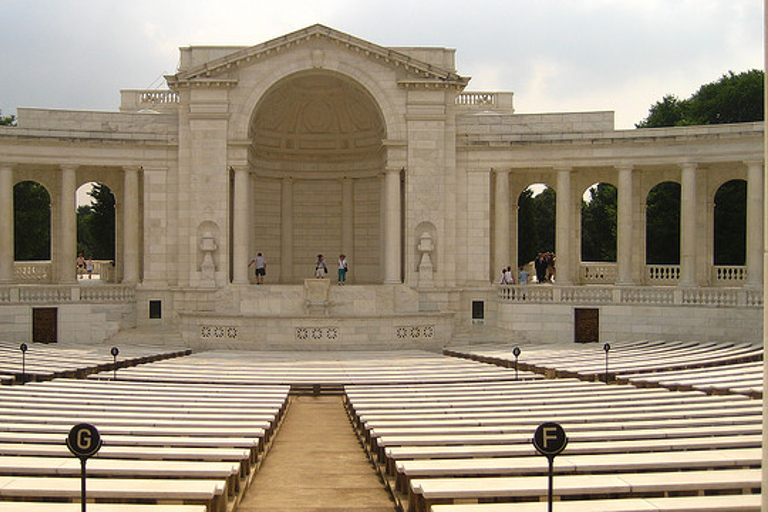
{"x": 286, "y": 230}
{"x": 240, "y": 232}
{"x": 391, "y": 212}
{"x": 348, "y": 218}
{"x": 625, "y": 226}
{"x": 564, "y": 270}
{"x": 501, "y": 256}
{"x": 68, "y": 225}
{"x": 6, "y": 224}
{"x": 755, "y": 224}
{"x": 131, "y": 224}
{"x": 688, "y": 210}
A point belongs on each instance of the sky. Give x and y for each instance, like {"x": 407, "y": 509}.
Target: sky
{"x": 555, "y": 55}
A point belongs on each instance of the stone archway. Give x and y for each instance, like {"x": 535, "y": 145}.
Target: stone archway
{"x": 317, "y": 157}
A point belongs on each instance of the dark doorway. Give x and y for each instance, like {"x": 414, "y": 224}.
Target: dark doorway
{"x": 586, "y": 325}
{"x": 45, "y": 325}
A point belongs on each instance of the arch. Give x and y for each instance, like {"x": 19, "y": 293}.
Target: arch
{"x": 536, "y": 216}
{"x": 32, "y": 221}
{"x": 662, "y": 231}
{"x": 599, "y": 207}
{"x": 381, "y": 95}
{"x": 730, "y": 223}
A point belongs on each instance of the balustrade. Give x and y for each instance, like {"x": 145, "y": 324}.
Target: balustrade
{"x": 598, "y": 272}
{"x": 662, "y": 274}
{"x": 729, "y": 275}
{"x": 32, "y": 271}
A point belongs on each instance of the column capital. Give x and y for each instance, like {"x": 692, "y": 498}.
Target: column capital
{"x": 7, "y": 165}
{"x": 688, "y": 166}
{"x": 754, "y": 163}
{"x": 68, "y": 167}
{"x": 624, "y": 167}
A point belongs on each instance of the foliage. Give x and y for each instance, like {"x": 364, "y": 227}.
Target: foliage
{"x": 7, "y": 120}
{"x": 662, "y": 231}
{"x": 32, "y": 222}
{"x": 535, "y": 224}
{"x": 598, "y": 224}
{"x": 731, "y": 223}
{"x": 96, "y": 225}
{"x": 734, "y": 98}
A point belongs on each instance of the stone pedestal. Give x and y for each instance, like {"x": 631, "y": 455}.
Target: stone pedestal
{"x": 208, "y": 267}
{"x": 316, "y": 293}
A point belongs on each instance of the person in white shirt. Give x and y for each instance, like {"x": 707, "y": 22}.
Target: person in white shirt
{"x": 343, "y": 267}
{"x": 261, "y": 267}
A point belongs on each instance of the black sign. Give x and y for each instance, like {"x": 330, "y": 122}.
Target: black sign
{"x": 83, "y": 440}
{"x": 23, "y": 347}
{"x": 607, "y": 347}
{"x": 550, "y": 439}
{"x": 516, "y": 351}
{"x": 115, "y": 351}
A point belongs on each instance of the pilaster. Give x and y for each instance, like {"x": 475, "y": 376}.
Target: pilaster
{"x": 67, "y": 225}
{"x": 6, "y": 223}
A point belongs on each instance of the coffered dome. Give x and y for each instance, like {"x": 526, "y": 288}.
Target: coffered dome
{"x": 317, "y": 115}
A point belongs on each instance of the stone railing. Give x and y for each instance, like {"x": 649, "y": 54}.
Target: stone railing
{"x": 66, "y": 294}
{"x": 598, "y": 272}
{"x": 629, "y": 295}
{"x": 486, "y": 101}
{"x": 729, "y": 275}
{"x": 40, "y": 272}
{"x": 662, "y": 274}
{"x": 160, "y": 100}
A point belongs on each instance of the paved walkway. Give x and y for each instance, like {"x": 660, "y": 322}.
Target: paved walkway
{"x": 316, "y": 465}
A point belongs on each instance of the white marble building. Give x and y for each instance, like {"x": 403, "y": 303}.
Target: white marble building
{"x": 320, "y": 142}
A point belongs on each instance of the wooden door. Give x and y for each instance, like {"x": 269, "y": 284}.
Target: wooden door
{"x": 586, "y": 325}
{"x": 45, "y": 325}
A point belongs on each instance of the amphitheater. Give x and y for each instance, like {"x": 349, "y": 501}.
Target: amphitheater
{"x": 418, "y": 385}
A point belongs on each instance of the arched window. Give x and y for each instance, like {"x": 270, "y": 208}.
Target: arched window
{"x": 535, "y": 222}
{"x": 598, "y": 223}
{"x": 662, "y": 228}
{"x": 32, "y": 222}
{"x": 731, "y": 223}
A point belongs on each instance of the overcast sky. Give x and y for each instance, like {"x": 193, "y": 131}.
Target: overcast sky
{"x": 555, "y": 55}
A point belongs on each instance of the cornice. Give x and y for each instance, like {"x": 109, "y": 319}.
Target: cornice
{"x": 175, "y": 83}
{"x": 388, "y": 56}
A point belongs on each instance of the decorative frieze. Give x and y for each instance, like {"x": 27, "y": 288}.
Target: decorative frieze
{"x": 415, "y": 332}
{"x": 317, "y": 333}
{"x": 220, "y": 332}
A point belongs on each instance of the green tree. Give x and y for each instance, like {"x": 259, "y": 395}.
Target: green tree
{"x": 96, "y": 225}
{"x": 535, "y": 224}
{"x": 731, "y": 223}
{"x": 734, "y": 98}
{"x": 7, "y": 120}
{"x": 662, "y": 231}
{"x": 598, "y": 224}
{"x": 31, "y": 222}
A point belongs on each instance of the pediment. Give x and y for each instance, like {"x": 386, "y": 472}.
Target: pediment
{"x": 418, "y": 72}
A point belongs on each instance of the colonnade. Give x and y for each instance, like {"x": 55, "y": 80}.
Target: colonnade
{"x": 64, "y": 234}
{"x": 567, "y": 263}
{"x": 391, "y": 208}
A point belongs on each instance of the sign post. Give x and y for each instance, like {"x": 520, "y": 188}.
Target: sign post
{"x": 516, "y": 352}
{"x": 607, "y": 348}
{"x": 550, "y": 440}
{"x": 83, "y": 441}
{"x": 23, "y": 347}
{"x": 115, "y": 351}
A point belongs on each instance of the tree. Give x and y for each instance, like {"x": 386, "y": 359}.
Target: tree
{"x": 662, "y": 231}
{"x": 7, "y": 120}
{"x": 598, "y": 224}
{"x": 96, "y": 225}
{"x": 535, "y": 224}
{"x": 31, "y": 222}
{"x": 731, "y": 223}
{"x": 734, "y": 98}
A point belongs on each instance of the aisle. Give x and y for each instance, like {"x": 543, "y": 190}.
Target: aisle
{"x": 316, "y": 465}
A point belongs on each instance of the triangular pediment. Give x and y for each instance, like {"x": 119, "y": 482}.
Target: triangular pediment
{"x": 418, "y": 70}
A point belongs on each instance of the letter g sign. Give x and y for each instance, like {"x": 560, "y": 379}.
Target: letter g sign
{"x": 83, "y": 440}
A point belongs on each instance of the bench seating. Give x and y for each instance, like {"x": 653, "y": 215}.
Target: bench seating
{"x": 731, "y": 503}
{"x": 425, "y": 493}
{"x": 51, "y": 506}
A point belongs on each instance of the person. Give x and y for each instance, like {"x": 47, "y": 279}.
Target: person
{"x": 261, "y": 267}
{"x": 523, "y": 276}
{"x": 80, "y": 262}
{"x": 509, "y": 277}
{"x": 89, "y": 267}
{"x": 320, "y": 268}
{"x": 343, "y": 267}
{"x": 540, "y": 264}
{"x": 550, "y": 268}
{"x": 503, "y": 279}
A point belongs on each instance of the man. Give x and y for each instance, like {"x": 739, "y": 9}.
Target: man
{"x": 261, "y": 267}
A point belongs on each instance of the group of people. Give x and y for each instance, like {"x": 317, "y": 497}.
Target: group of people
{"x": 508, "y": 277}
{"x": 545, "y": 267}
{"x": 84, "y": 266}
{"x": 321, "y": 269}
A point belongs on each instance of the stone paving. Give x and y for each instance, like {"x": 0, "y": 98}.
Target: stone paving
{"x": 316, "y": 464}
